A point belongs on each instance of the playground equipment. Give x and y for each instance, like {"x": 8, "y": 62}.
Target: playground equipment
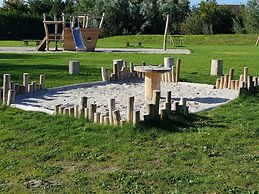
{"x": 78, "y": 32}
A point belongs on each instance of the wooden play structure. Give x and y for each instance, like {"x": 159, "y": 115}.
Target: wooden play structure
{"x": 77, "y": 32}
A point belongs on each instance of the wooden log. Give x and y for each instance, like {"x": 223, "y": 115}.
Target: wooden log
{"x": 11, "y": 86}
{"x": 168, "y": 97}
{"x": 177, "y": 75}
{"x": 86, "y": 113}
{"x": 61, "y": 110}
{"x": 42, "y": 82}
{"x": 250, "y": 83}
{"x": 102, "y": 118}
{"x": 136, "y": 117}
{"x": 17, "y": 89}
{"x": 226, "y": 79}
{"x": 105, "y": 74}
{"x": 169, "y": 62}
{"x": 163, "y": 114}
{"x": 56, "y": 111}
{"x": 34, "y": 86}
{"x": 23, "y": 90}
{"x": 123, "y": 122}
{"x": 130, "y": 109}
{"x": 111, "y": 109}
{"x": 10, "y": 97}
{"x": 173, "y": 73}
{"x": 232, "y": 84}
{"x": 76, "y": 113}
{"x": 82, "y": 105}
{"x": 216, "y": 67}
{"x": 30, "y": 88}
{"x": 38, "y": 86}
{"x": 222, "y": 78}
{"x": 71, "y": 111}
{"x": 231, "y": 77}
{"x": 6, "y": 85}
{"x": 97, "y": 116}
{"x": 245, "y": 74}
{"x": 155, "y": 101}
{"x": 255, "y": 80}
{"x": 92, "y": 110}
{"x": 236, "y": 84}
{"x": 217, "y": 85}
{"x": 106, "y": 120}
{"x": 117, "y": 65}
{"x": 66, "y": 111}
{"x": 175, "y": 106}
{"x": 116, "y": 117}
{"x": 26, "y": 81}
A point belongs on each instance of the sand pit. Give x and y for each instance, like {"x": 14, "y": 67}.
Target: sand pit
{"x": 198, "y": 96}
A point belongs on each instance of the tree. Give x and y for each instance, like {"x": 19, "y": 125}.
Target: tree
{"x": 252, "y": 16}
{"x": 38, "y": 7}
{"x": 15, "y": 6}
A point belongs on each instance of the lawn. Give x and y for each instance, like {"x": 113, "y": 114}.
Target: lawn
{"x": 214, "y": 151}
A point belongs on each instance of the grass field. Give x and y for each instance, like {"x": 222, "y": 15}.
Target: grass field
{"x": 214, "y": 151}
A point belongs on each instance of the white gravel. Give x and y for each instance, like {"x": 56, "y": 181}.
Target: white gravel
{"x": 199, "y": 96}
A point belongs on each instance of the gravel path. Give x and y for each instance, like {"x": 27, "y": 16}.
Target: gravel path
{"x": 199, "y": 96}
{"x": 106, "y": 50}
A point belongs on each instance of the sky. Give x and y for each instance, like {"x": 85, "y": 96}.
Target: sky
{"x": 194, "y": 2}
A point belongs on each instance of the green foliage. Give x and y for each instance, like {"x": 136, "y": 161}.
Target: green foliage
{"x": 252, "y": 17}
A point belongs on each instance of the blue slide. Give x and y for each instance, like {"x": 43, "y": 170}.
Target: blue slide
{"x": 78, "y": 39}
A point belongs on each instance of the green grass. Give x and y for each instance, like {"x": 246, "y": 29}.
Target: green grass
{"x": 214, "y": 151}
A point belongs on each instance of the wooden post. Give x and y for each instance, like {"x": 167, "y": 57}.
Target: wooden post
{"x": 177, "y": 76}
{"x": 74, "y": 67}
{"x": 130, "y": 109}
{"x": 34, "y": 86}
{"x": 66, "y": 111}
{"x": 10, "y": 97}
{"x": 71, "y": 111}
{"x": 216, "y": 67}
{"x": 155, "y": 101}
{"x": 226, "y": 78}
{"x": 82, "y": 105}
{"x": 233, "y": 85}
{"x": 173, "y": 74}
{"x": 86, "y": 113}
{"x": 92, "y": 110}
{"x": 255, "y": 80}
{"x": 116, "y": 117}
{"x": 168, "y": 104}
{"x": 105, "y": 74}
{"x": 97, "y": 116}
{"x": 245, "y": 74}
{"x": 117, "y": 65}
{"x": 222, "y": 82}
{"x": 236, "y": 84}
{"x": 217, "y": 83}
{"x": 61, "y": 110}
{"x": 57, "y": 109}
{"x": 6, "y": 85}
{"x": 30, "y": 88}
{"x": 76, "y": 113}
{"x": 136, "y": 117}
{"x": 231, "y": 77}
{"x": 165, "y": 34}
{"x": 175, "y": 106}
{"x": 42, "y": 82}
{"x": 106, "y": 120}
{"x": 152, "y": 82}
{"x": 111, "y": 109}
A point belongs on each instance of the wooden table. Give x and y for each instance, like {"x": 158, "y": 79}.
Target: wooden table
{"x": 152, "y": 78}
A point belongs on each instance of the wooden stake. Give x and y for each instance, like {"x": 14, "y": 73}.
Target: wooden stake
{"x": 236, "y": 84}
{"x": 130, "y": 109}
{"x": 245, "y": 74}
{"x": 26, "y": 81}
{"x": 6, "y": 85}
{"x": 116, "y": 117}
{"x": 136, "y": 117}
{"x": 61, "y": 110}
{"x": 232, "y": 85}
{"x": 105, "y": 74}
{"x": 226, "y": 78}
{"x": 76, "y": 113}
{"x": 71, "y": 111}
{"x": 57, "y": 109}
{"x": 222, "y": 82}
{"x": 106, "y": 120}
{"x": 173, "y": 75}
{"x": 10, "y": 97}
{"x": 42, "y": 82}
{"x": 111, "y": 109}
{"x": 217, "y": 85}
{"x": 97, "y": 116}
{"x": 155, "y": 101}
{"x": 82, "y": 105}
{"x": 177, "y": 75}
{"x": 231, "y": 77}
{"x": 92, "y": 110}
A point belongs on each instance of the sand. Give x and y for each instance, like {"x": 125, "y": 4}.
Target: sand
{"x": 199, "y": 97}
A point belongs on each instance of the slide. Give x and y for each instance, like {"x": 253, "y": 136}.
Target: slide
{"x": 78, "y": 39}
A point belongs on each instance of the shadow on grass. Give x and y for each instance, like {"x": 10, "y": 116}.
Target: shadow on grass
{"x": 181, "y": 123}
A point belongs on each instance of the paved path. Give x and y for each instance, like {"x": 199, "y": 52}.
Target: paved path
{"x": 107, "y": 50}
